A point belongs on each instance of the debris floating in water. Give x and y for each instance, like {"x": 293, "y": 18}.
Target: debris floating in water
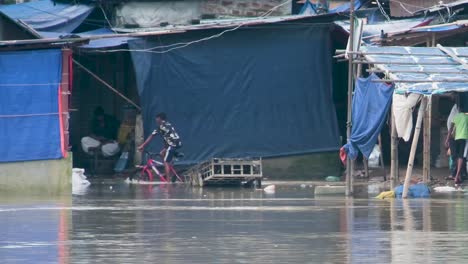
{"x": 270, "y": 189}
{"x": 445, "y": 189}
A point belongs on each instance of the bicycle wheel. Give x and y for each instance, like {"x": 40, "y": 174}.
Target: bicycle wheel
{"x": 142, "y": 176}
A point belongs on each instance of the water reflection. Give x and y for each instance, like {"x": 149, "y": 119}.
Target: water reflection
{"x": 120, "y": 223}
{"x": 29, "y": 236}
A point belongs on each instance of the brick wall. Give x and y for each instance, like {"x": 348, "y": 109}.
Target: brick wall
{"x": 244, "y": 8}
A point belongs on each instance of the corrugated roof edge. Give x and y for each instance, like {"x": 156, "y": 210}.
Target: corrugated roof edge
{"x": 325, "y": 18}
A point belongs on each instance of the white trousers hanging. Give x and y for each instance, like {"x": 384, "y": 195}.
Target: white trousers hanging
{"x": 108, "y": 149}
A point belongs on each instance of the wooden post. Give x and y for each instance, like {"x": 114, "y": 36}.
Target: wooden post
{"x": 349, "y": 162}
{"x": 394, "y": 167}
{"x": 65, "y": 96}
{"x": 427, "y": 141}
{"x": 366, "y": 167}
{"x": 382, "y": 159}
{"x": 414, "y": 146}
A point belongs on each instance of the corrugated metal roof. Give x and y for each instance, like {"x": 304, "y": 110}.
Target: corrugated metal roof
{"x": 420, "y": 70}
{"x": 45, "y": 15}
{"x": 140, "y": 32}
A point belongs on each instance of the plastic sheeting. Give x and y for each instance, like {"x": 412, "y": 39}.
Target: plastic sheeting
{"x": 419, "y": 190}
{"x": 395, "y": 26}
{"x": 252, "y": 92}
{"x": 29, "y": 106}
{"x": 152, "y": 14}
{"x": 434, "y": 71}
{"x": 46, "y": 15}
{"x": 371, "y": 104}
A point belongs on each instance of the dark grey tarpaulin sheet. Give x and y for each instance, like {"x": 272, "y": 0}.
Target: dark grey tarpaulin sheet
{"x": 252, "y": 92}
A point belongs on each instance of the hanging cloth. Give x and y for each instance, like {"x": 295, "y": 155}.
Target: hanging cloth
{"x": 371, "y": 104}
{"x": 403, "y": 106}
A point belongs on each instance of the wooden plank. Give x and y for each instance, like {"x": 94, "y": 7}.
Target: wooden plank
{"x": 414, "y": 146}
{"x": 382, "y": 159}
{"x": 65, "y": 94}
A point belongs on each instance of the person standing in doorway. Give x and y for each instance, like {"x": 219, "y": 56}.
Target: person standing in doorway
{"x": 459, "y": 130}
{"x": 451, "y": 146}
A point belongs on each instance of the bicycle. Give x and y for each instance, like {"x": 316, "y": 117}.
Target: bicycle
{"x": 149, "y": 170}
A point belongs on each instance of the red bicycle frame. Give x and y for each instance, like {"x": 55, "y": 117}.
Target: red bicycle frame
{"x": 151, "y": 167}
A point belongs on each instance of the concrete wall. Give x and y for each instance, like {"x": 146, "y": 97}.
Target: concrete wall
{"x": 315, "y": 166}
{"x": 45, "y": 177}
{"x": 244, "y": 8}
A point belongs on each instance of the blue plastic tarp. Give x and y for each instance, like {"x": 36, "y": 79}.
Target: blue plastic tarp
{"x": 371, "y": 103}
{"x": 29, "y": 107}
{"x": 46, "y": 15}
{"x": 252, "y": 92}
{"x": 419, "y": 190}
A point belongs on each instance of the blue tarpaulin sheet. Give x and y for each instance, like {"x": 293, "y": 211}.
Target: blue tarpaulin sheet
{"x": 29, "y": 107}
{"x": 252, "y": 92}
{"x": 46, "y": 15}
{"x": 419, "y": 190}
{"x": 371, "y": 103}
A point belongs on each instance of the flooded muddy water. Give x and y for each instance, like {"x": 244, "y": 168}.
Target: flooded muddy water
{"x": 121, "y": 223}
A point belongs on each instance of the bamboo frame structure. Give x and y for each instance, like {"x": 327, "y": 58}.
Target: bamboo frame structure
{"x": 414, "y": 146}
{"x": 350, "y": 162}
{"x": 424, "y": 119}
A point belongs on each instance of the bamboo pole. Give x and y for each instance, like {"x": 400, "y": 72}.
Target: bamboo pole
{"x": 427, "y": 141}
{"x": 414, "y": 146}
{"x": 424, "y": 81}
{"x": 381, "y": 158}
{"x": 394, "y": 173}
{"x": 107, "y": 85}
{"x": 404, "y": 62}
{"x": 364, "y": 53}
{"x": 349, "y": 162}
{"x": 365, "y": 162}
{"x": 418, "y": 71}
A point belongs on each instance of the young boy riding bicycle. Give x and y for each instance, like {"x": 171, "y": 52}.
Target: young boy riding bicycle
{"x": 171, "y": 139}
